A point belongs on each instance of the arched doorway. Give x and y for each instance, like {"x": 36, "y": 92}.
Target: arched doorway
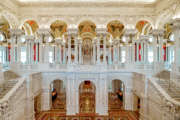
{"x": 87, "y": 97}
{"x": 58, "y": 95}
{"x": 116, "y": 96}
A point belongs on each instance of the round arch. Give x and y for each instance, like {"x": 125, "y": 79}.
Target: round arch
{"x": 87, "y": 97}
{"x": 166, "y": 18}
{"x": 11, "y": 18}
{"x": 27, "y": 19}
{"x": 149, "y": 20}
{"x": 116, "y": 95}
{"x": 49, "y": 22}
{"x": 120, "y": 20}
{"x": 58, "y": 95}
{"x": 86, "y": 19}
{"x": 30, "y": 26}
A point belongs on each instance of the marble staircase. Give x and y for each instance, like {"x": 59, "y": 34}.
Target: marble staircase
{"x": 172, "y": 90}
{"x": 6, "y": 87}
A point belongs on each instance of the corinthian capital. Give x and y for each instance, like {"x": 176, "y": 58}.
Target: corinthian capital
{"x": 158, "y": 32}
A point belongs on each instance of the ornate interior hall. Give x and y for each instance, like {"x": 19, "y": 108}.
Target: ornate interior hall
{"x": 89, "y": 59}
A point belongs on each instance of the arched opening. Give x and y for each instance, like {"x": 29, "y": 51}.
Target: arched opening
{"x": 30, "y": 28}
{"x": 59, "y": 44}
{"x": 87, "y": 91}
{"x": 5, "y": 46}
{"x": 168, "y": 45}
{"x": 116, "y": 96}
{"x": 144, "y": 44}
{"x": 87, "y": 32}
{"x": 137, "y": 105}
{"x": 114, "y": 40}
{"x": 58, "y": 95}
{"x": 37, "y": 105}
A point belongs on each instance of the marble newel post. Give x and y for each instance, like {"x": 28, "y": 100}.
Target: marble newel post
{"x": 176, "y": 31}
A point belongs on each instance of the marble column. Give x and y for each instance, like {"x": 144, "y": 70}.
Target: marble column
{"x": 94, "y": 51}
{"x": 176, "y": 31}
{"x": 114, "y": 52}
{"x": 60, "y": 53}
{"x": 71, "y": 95}
{"x": 57, "y": 50}
{"x": 145, "y": 40}
{"x": 102, "y": 95}
{"x": 110, "y": 54}
{"x": 64, "y": 53}
{"x": 15, "y": 39}
{"x": 104, "y": 49}
{"x": 69, "y": 49}
{"x": 127, "y": 49}
{"x": 98, "y": 50}
{"x": 155, "y": 44}
{"x": 29, "y": 49}
{"x": 42, "y": 51}
{"x": 76, "y": 50}
{"x": 80, "y": 51}
{"x": 161, "y": 47}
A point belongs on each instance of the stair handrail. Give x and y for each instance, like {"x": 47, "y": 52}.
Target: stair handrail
{"x": 20, "y": 82}
{"x": 163, "y": 92}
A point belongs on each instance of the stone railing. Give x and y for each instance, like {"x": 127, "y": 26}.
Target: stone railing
{"x": 12, "y": 105}
{"x": 71, "y": 67}
{"x": 158, "y": 99}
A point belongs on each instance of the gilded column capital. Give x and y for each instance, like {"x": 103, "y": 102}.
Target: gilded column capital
{"x": 176, "y": 24}
{"x": 158, "y": 32}
{"x": 29, "y": 38}
{"x": 16, "y": 32}
{"x": 43, "y": 31}
{"x": 130, "y": 31}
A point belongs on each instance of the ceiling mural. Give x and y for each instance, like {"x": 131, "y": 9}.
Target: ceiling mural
{"x": 30, "y": 27}
{"x": 4, "y": 27}
{"x": 144, "y": 28}
{"x": 87, "y": 29}
{"x": 168, "y": 34}
{"x": 168, "y": 30}
{"x": 115, "y": 28}
{"x": 58, "y": 28}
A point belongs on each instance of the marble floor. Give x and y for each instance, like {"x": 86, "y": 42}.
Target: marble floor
{"x": 113, "y": 115}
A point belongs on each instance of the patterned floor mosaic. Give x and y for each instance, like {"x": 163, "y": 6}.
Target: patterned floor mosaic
{"x": 115, "y": 115}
